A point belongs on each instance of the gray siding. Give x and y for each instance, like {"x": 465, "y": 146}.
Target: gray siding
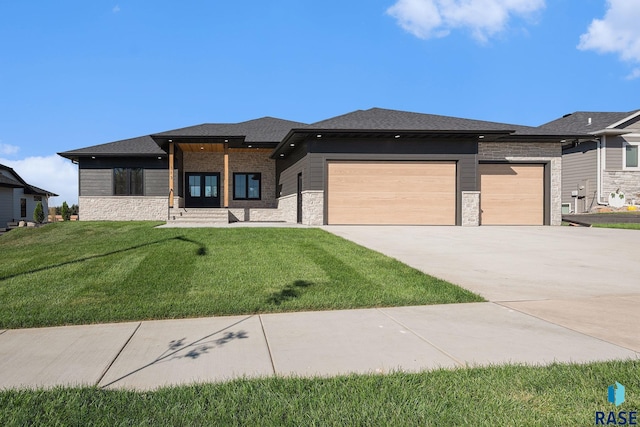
{"x": 580, "y": 164}
{"x": 156, "y": 182}
{"x": 96, "y": 182}
{"x": 96, "y": 175}
{"x": 614, "y": 153}
{"x": 288, "y": 179}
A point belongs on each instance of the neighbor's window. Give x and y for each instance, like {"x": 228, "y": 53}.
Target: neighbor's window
{"x": 37, "y": 198}
{"x": 127, "y": 182}
{"x": 246, "y": 186}
{"x": 631, "y": 155}
{"x": 23, "y": 208}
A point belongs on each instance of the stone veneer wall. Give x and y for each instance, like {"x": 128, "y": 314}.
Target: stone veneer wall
{"x": 313, "y": 207}
{"x": 627, "y": 181}
{"x": 523, "y": 151}
{"x": 288, "y": 207}
{"x": 470, "y": 208}
{"x": 124, "y": 208}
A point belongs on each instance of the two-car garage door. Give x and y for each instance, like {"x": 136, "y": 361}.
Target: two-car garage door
{"x": 391, "y": 193}
{"x": 424, "y": 193}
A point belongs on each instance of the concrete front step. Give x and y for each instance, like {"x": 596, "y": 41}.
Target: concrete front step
{"x": 199, "y": 215}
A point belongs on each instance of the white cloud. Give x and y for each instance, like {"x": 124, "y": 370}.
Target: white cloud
{"x": 618, "y": 32}
{"x": 634, "y": 74}
{"x": 436, "y": 18}
{"x": 116, "y": 9}
{"x": 52, "y": 173}
{"x": 7, "y": 149}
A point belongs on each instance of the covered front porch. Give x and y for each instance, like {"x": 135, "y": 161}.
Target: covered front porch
{"x": 221, "y": 179}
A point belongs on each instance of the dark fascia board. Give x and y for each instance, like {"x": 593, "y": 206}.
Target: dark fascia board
{"x": 75, "y": 157}
{"x": 234, "y": 141}
{"x": 297, "y": 135}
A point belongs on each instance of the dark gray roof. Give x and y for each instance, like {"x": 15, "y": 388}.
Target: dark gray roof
{"x": 21, "y": 183}
{"x": 579, "y": 121}
{"x": 141, "y": 146}
{"x": 393, "y": 120}
{"x": 265, "y": 129}
{"x": 8, "y": 182}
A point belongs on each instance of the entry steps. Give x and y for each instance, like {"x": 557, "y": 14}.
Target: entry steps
{"x": 199, "y": 215}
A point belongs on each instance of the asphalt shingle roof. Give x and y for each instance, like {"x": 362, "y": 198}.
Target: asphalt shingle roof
{"x": 21, "y": 183}
{"x": 579, "y": 121}
{"x": 141, "y": 146}
{"x": 8, "y": 182}
{"x": 265, "y": 129}
{"x": 389, "y": 120}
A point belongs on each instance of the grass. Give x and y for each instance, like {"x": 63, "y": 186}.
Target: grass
{"x": 626, "y": 226}
{"x": 83, "y": 272}
{"x": 558, "y": 395}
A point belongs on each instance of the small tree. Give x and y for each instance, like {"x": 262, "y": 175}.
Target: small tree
{"x": 38, "y": 213}
{"x": 65, "y": 212}
{"x": 75, "y": 210}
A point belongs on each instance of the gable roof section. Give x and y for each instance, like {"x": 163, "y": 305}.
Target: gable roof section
{"x": 265, "y": 129}
{"x": 8, "y": 182}
{"x": 579, "y": 121}
{"x": 21, "y": 183}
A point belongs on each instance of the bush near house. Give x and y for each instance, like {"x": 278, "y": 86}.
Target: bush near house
{"x": 38, "y": 213}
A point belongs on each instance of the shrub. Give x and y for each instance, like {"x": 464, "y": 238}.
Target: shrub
{"x": 65, "y": 212}
{"x": 38, "y": 213}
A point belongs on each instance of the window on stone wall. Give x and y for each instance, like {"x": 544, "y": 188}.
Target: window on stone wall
{"x": 128, "y": 182}
{"x": 246, "y": 186}
{"x": 23, "y": 208}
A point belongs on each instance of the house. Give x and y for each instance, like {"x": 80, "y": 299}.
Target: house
{"x": 18, "y": 199}
{"x": 605, "y": 164}
{"x": 371, "y": 166}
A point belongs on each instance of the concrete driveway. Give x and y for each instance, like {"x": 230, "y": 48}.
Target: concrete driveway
{"x": 584, "y": 279}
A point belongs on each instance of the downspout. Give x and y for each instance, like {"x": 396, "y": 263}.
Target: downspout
{"x": 602, "y": 145}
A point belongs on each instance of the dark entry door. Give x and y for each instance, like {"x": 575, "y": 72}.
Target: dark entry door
{"x": 202, "y": 190}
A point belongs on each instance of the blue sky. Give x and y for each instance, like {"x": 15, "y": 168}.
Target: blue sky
{"x": 76, "y": 73}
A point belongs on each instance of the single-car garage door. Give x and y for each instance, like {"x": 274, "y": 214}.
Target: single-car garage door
{"x": 391, "y": 193}
{"x": 511, "y": 194}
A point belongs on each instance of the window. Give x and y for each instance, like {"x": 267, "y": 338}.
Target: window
{"x": 246, "y": 186}
{"x": 631, "y": 155}
{"x": 127, "y": 182}
{"x": 37, "y": 198}
{"x": 23, "y": 208}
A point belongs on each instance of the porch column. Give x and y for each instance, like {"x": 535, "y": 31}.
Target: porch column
{"x": 171, "y": 152}
{"x": 226, "y": 175}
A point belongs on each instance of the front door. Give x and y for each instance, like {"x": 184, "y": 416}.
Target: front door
{"x": 202, "y": 190}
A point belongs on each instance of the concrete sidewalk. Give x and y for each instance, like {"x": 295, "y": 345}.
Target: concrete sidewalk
{"x": 151, "y": 354}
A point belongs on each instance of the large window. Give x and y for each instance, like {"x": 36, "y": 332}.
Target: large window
{"x": 128, "y": 182}
{"x": 246, "y": 186}
{"x": 631, "y": 155}
{"x": 23, "y": 208}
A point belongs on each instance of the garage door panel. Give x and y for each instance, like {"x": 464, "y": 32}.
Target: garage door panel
{"x": 512, "y": 194}
{"x": 392, "y": 193}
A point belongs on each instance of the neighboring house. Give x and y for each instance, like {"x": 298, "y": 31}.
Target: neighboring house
{"x": 19, "y": 199}
{"x": 605, "y": 163}
{"x": 366, "y": 167}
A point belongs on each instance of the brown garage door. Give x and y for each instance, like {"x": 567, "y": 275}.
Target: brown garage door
{"x": 511, "y": 194}
{"x": 391, "y": 193}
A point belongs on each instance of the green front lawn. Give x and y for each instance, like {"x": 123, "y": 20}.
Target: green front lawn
{"x": 84, "y": 272}
{"x": 558, "y": 395}
{"x": 626, "y": 226}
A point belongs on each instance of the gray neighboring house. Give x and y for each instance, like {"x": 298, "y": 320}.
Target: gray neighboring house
{"x": 607, "y": 162}
{"x": 18, "y": 199}
{"x": 371, "y": 166}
